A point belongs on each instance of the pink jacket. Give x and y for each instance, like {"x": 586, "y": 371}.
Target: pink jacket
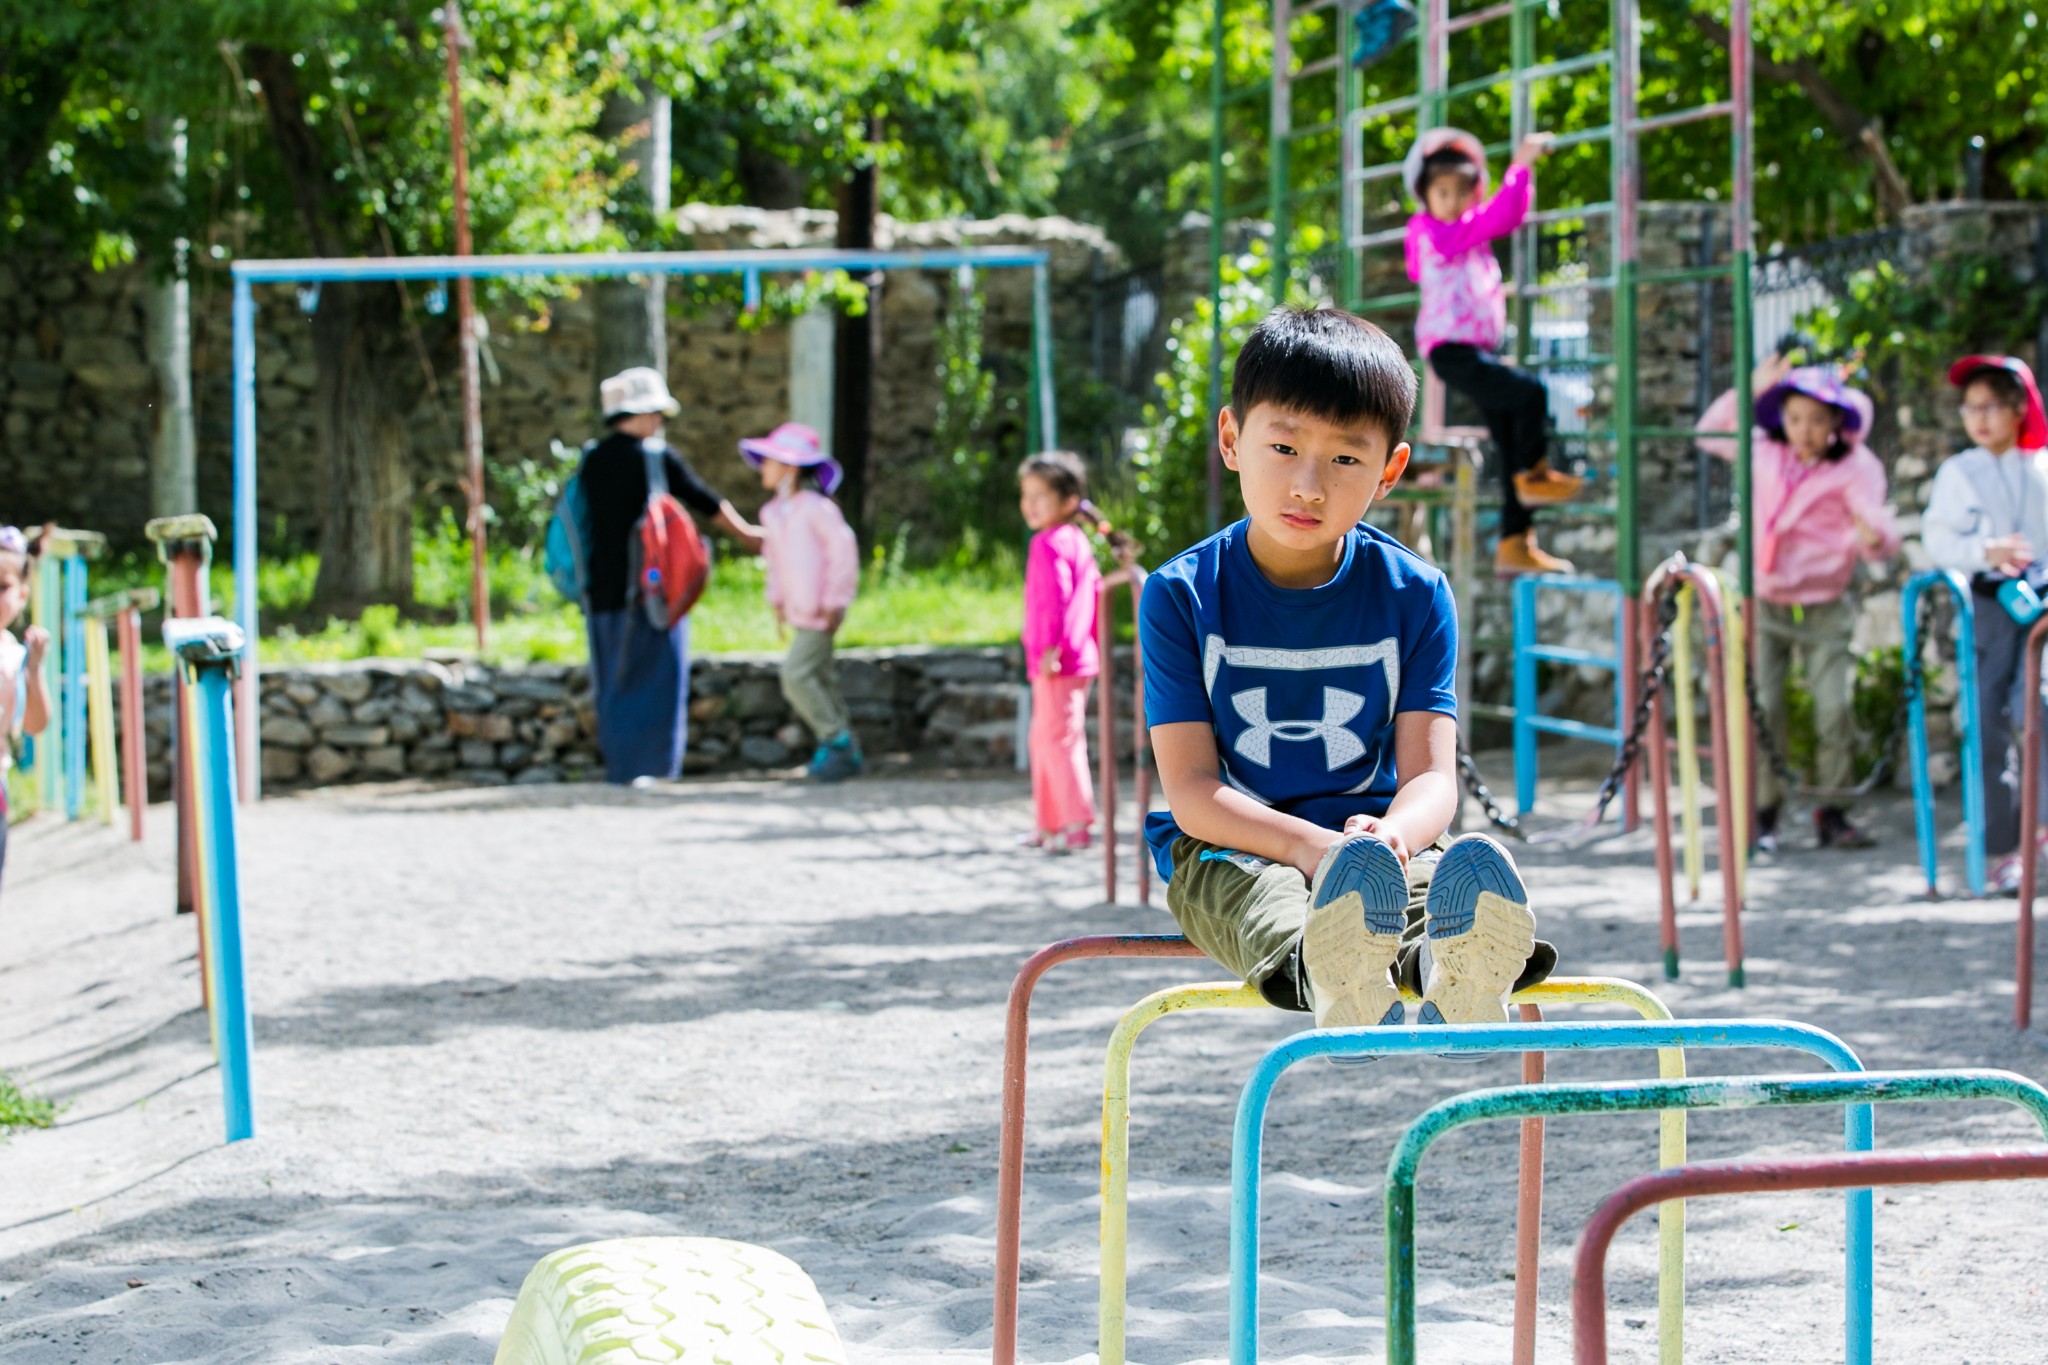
{"x": 1462, "y": 296}
{"x": 1060, "y": 579}
{"x": 1805, "y": 538}
{"x": 813, "y": 562}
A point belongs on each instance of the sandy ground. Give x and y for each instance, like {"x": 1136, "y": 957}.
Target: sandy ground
{"x": 490, "y": 1023}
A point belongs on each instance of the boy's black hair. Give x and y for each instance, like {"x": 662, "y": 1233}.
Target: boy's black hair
{"x": 1327, "y": 363}
{"x": 1446, "y": 161}
{"x": 2005, "y": 386}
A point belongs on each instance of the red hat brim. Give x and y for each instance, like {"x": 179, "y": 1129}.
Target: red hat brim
{"x": 2033, "y": 426}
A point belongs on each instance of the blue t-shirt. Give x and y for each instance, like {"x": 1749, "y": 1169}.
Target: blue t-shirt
{"x": 1301, "y": 685}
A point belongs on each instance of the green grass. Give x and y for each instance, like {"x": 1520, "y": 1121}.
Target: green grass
{"x": 19, "y": 1110}
{"x": 978, "y": 604}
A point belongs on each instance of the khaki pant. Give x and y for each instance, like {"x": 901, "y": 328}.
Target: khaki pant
{"x": 1248, "y": 914}
{"x": 811, "y": 684}
{"x": 1821, "y": 635}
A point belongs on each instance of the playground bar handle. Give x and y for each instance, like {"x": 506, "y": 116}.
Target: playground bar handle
{"x": 1858, "y": 1171}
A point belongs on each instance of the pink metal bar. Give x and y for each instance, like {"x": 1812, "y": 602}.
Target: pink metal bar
{"x": 1478, "y": 17}
{"x": 134, "y": 760}
{"x": 1529, "y": 1209}
{"x": 1105, "y": 732}
{"x": 2030, "y": 829}
{"x": 1010, "y": 1142}
{"x": 1664, "y": 580}
{"x": 1742, "y": 134}
{"x": 1856, "y": 1171}
{"x": 1698, "y": 114}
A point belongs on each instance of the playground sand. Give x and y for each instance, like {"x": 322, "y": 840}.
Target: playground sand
{"x": 494, "y": 1022}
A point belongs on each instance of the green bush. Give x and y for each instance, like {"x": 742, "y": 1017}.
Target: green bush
{"x": 19, "y": 1109}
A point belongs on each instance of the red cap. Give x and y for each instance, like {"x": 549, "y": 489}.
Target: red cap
{"x": 2033, "y": 426}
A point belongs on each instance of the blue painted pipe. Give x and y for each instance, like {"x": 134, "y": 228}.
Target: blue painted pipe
{"x": 1529, "y": 721}
{"x": 1248, "y": 1143}
{"x": 1916, "y": 729}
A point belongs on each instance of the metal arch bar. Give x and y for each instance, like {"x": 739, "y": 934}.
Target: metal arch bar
{"x": 1589, "y": 1271}
{"x": 1480, "y": 16}
{"x": 1248, "y": 1141}
{"x": 599, "y": 264}
{"x": 1105, "y": 721}
{"x": 2030, "y": 825}
{"x": 1697, "y": 114}
{"x": 1010, "y": 1139}
{"x": 1116, "y": 1120}
{"x": 1734, "y": 1092}
{"x": 1916, "y": 729}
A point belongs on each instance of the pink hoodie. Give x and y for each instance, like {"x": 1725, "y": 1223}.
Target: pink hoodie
{"x": 1060, "y": 579}
{"x": 1806, "y": 541}
{"x": 813, "y": 562}
{"x": 1462, "y": 296}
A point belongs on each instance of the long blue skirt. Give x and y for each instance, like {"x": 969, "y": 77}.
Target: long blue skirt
{"x": 642, "y": 679}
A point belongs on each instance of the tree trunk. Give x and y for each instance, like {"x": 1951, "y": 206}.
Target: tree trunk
{"x": 767, "y": 181}
{"x": 173, "y": 476}
{"x": 855, "y": 348}
{"x": 631, "y": 312}
{"x": 367, "y": 379}
{"x": 366, "y": 383}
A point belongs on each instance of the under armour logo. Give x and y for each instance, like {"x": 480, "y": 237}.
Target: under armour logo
{"x": 1340, "y": 745}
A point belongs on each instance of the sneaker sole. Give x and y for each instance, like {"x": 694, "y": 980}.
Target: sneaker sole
{"x": 1480, "y": 934}
{"x": 1357, "y": 909}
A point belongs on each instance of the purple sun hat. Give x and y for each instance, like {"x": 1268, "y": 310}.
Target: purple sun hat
{"x": 1823, "y": 385}
{"x": 793, "y": 443}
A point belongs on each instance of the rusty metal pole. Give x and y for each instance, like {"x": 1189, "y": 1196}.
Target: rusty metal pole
{"x": 185, "y": 545}
{"x": 2030, "y": 827}
{"x": 134, "y": 762}
{"x": 465, "y": 321}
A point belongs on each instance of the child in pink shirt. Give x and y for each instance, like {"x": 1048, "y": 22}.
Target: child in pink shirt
{"x": 1463, "y": 319}
{"x": 1060, "y": 653}
{"x": 813, "y": 572}
{"x": 1818, "y": 497}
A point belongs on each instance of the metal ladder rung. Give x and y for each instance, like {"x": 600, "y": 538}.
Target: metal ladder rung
{"x": 1564, "y": 654}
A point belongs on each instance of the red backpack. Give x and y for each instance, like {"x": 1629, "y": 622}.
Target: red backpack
{"x": 667, "y": 565}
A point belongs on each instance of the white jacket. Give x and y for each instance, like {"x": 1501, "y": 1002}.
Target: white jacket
{"x": 1979, "y": 497}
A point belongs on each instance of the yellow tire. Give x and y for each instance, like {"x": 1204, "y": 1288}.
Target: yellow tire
{"x": 698, "y": 1300}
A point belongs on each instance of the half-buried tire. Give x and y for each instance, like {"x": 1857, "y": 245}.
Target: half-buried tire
{"x": 698, "y": 1300}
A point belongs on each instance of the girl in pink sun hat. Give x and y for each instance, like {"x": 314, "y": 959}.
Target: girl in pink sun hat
{"x": 813, "y": 572}
{"x": 1818, "y": 498}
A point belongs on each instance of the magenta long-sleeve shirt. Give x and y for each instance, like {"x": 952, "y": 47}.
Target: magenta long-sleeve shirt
{"x": 1060, "y": 580}
{"x": 1463, "y": 298}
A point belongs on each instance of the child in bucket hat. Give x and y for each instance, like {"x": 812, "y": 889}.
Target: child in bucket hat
{"x": 1463, "y": 318}
{"x": 1818, "y": 498}
{"x": 1987, "y": 517}
{"x": 813, "y": 572}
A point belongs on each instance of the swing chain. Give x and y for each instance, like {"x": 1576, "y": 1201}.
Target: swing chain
{"x": 1654, "y": 677}
{"x": 1476, "y": 788}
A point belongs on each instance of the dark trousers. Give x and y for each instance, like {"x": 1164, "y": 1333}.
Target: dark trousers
{"x": 642, "y": 680}
{"x": 2002, "y": 703}
{"x": 1516, "y": 407}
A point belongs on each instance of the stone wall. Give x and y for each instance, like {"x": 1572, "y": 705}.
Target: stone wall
{"x": 76, "y": 389}
{"x": 379, "y": 719}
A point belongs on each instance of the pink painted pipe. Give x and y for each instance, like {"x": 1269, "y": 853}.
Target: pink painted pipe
{"x": 1529, "y": 1209}
{"x": 1666, "y": 580}
{"x": 1010, "y": 1143}
{"x": 1105, "y": 723}
{"x": 2030, "y": 828}
{"x": 1855, "y": 1171}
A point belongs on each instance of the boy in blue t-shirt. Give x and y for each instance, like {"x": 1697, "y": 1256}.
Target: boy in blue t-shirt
{"x": 1299, "y": 674}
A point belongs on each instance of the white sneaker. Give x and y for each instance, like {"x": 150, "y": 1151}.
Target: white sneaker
{"x": 1358, "y": 905}
{"x": 1480, "y": 934}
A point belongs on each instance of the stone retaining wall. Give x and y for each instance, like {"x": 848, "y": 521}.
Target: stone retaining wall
{"x": 377, "y": 719}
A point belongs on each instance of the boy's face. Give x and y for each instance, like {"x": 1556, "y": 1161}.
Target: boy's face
{"x": 1307, "y": 480}
{"x": 1448, "y": 197}
{"x": 13, "y": 589}
{"x": 1990, "y": 420}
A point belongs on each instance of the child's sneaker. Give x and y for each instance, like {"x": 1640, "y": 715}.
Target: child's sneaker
{"x": 842, "y": 759}
{"x": 1076, "y": 837}
{"x": 1358, "y": 906}
{"x": 1480, "y": 934}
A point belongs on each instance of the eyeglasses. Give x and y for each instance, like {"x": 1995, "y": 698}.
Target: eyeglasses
{"x": 1970, "y": 410}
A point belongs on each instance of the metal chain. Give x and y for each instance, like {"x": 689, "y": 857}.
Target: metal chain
{"x": 1653, "y": 679}
{"x": 1476, "y": 788}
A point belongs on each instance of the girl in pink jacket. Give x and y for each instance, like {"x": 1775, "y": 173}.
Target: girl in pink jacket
{"x": 1463, "y": 319}
{"x": 1818, "y": 499}
{"x": 813, "y": 572}
{"x": 1060, "y": 653}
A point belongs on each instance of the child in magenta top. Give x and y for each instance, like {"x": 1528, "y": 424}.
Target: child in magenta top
{"x": 1060, "y": 653}
{"x": 813, "y": 572}
{"x": 1819, "y": 501}
{"x": 1463, "y": 319}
